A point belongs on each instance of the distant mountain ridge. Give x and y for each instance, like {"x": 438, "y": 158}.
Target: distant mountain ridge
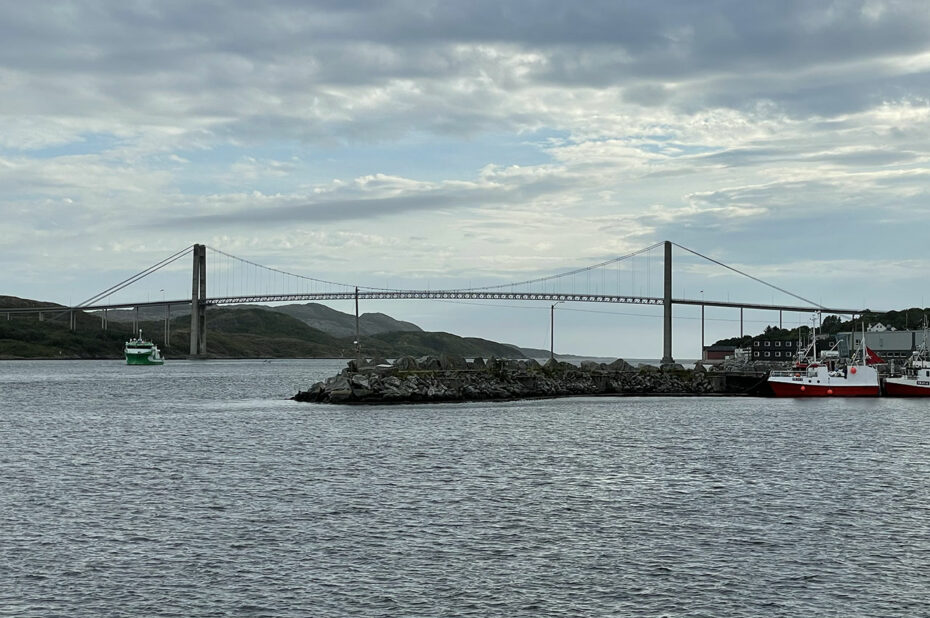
{"x": 339, "y": 324}
{"x": 315, "y": 315}
{"x": 15, "y": 301}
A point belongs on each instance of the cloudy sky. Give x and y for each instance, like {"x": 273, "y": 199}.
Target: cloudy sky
{"x": 418, "y": 143}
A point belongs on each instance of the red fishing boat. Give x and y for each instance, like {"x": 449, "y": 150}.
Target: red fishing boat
{"x": 818, "y": 380}
{"x": 915, "y": 379}
{"x": 912, "y": 384}
{"x": 827, "y": 376}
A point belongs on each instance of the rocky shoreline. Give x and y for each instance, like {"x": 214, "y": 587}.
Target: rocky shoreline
{"x": 453, "y": 379}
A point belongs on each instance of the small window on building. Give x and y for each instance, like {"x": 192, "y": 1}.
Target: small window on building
{"x": 767, "y": 354}
{"x": 778, "y": 344}
{"x": 778, "y": 354}
{"x": 755, "y": 343}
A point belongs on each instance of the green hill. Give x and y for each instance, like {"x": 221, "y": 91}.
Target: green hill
{"x": 27, "y": 337}
{"x": 260, "y": 333}
{"x": 250, "y": 332}
{"x": 257, "y": 332}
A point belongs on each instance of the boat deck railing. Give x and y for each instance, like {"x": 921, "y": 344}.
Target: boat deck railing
{"x": 787, "y": 373}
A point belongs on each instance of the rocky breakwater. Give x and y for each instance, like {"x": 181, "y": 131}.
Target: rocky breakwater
{"x": 447, "y": 378}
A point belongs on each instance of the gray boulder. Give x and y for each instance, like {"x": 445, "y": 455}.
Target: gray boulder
{"x": 553, "y": 366}
{"x": 360, "y": 381}
{"x": 406, "y": 363}
{"x": 451, "y": 361}
{"x": 340, "y": 396}
{"x": 620, "y": 365}
{"x": 337, "y": 383}
{"x": 429, "y": 363}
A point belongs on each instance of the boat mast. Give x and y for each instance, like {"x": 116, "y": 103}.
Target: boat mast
{"x": 862, "y": 343}
{"x": 814, "y": 336}
{"x": 800, "y": 358}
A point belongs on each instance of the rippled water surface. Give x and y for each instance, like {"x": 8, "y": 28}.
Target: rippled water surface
{"x": 197, "y": 489}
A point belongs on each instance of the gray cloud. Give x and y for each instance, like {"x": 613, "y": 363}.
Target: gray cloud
{"x": 870, "y": 157}
{"x": 321, "y": 211}
{"x": 346, "y": 206}
{"x": 217, "y": 60}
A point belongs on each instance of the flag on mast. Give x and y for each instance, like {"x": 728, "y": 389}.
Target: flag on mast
{"x": 871, "y": 358}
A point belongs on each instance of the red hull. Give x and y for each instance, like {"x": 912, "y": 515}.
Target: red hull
{"x": 794, "y": 389}
{"x": 896, "y": 389}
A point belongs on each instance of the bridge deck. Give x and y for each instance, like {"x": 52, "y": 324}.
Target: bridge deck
{"x": 441, "y": 295}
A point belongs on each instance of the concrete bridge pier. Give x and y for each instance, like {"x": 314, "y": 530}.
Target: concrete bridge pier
{"x": 198, "y": 303}
{"x": 667, "y": 307}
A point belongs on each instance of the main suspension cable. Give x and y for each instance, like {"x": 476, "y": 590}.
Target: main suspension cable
{"x": 139, "y": 275}
{"x": 542, "y": 279}
{"x": 756, "y": 279}
{"x": 284, "y": 272}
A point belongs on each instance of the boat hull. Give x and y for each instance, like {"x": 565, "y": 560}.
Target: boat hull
{"x": 900, "y": 387}
{"x": 143, "y": 359}
{"x": 795, "y": 389}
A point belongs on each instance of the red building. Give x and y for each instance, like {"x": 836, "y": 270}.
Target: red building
{"x": 717, "y": 352}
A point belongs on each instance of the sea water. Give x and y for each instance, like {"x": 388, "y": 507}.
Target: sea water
{"x": 199, "y": 489}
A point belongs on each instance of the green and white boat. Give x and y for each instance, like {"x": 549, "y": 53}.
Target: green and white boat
{"x": 141, "y": 352}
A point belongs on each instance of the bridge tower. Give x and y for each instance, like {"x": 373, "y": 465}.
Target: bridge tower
{"x": 667, "y": 307}
{"x": 198, "y": 302}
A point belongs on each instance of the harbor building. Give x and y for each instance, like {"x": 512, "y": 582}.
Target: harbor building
{"x": 717, "y": 352}
{"x": 769, "y": 349}
{"x": 887, "y": 343}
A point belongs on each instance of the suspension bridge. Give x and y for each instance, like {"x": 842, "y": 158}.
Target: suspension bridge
{"x": 602, "y": 282}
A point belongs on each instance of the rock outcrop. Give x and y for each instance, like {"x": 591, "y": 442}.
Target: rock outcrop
{"x": 431, "y": 379}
